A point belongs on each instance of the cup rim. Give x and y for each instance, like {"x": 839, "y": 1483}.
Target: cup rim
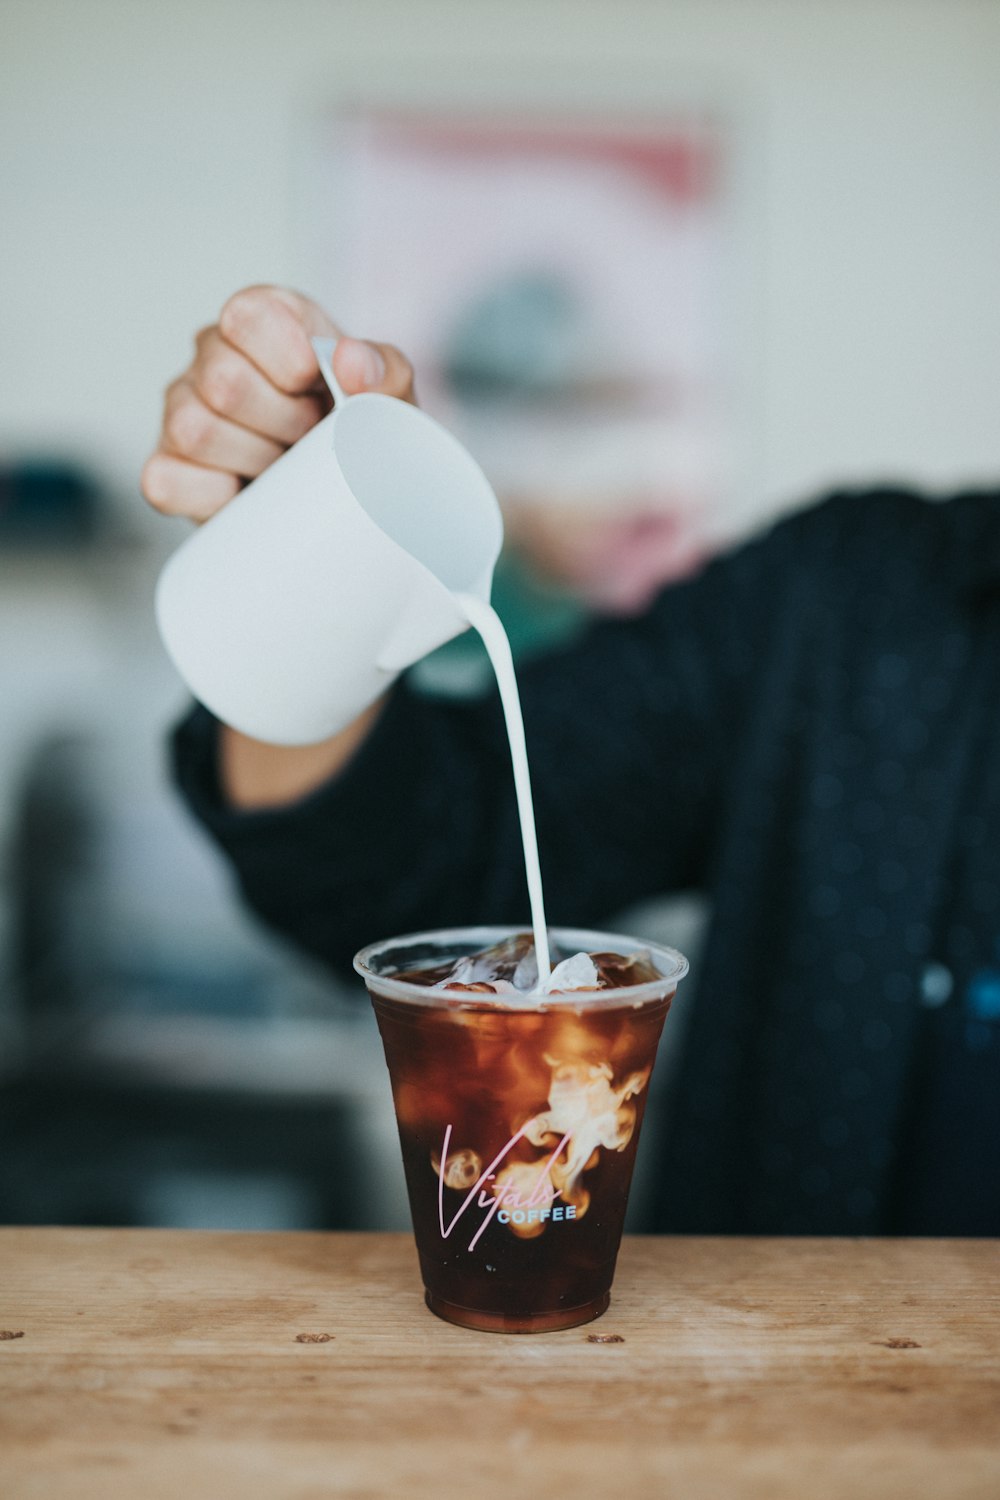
{"x": 672, "y": 964}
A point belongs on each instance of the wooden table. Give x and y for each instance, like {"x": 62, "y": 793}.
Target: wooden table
{"x": 149, "y": 1363}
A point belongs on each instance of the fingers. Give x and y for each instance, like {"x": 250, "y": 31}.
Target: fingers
{"x": 362, "y": 366}
{"x": 252, "y": 390}
{"x": 265, "y": 420}
{"x": 272, "y": 327}
{"x": 233, "y": 387}
{"x": 193, "y": 431}
{"x": 178, "y": 488}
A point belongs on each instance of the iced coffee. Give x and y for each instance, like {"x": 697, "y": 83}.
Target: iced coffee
{"x": 519, "y": 1107}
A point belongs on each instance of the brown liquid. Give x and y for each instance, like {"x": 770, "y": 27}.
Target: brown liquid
{"x": 519, "y": 1129}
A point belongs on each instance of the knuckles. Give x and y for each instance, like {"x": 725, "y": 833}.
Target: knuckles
{"x": 242, "y": 313}
{"x": 298, "y": 369}
{"x": 188, "y": 426}
{"x": 243, "y": 323}
{"x": 222, "y": 385}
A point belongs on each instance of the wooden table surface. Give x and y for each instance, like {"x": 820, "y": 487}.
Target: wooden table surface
{"x": 149, "y": 1363}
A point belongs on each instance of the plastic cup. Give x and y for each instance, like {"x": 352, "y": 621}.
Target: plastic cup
{"x": 519, "y": 1125}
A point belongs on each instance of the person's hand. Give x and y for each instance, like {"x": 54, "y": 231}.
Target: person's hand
{"x": 253, "y": 389}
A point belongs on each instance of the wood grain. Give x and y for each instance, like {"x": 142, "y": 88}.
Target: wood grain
{"x": 173, "y": 1364}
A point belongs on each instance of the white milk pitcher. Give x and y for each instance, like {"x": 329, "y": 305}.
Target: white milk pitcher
{"x": 293, "y": 608}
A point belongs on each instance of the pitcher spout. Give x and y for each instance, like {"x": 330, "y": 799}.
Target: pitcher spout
{"x": 420, "y": 629}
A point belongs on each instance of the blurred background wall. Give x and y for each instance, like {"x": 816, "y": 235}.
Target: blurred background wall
{"x": 156, "y": 158}
{"x": 150, "y": 167}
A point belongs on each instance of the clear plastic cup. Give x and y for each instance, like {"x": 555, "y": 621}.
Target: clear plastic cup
{"x": 519, "y": 1120}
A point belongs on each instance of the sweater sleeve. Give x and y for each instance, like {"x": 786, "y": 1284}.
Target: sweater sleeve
{"x": 631, "y": 732}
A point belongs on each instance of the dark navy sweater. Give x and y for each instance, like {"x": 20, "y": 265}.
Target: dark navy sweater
{"x": 809, "y": 732}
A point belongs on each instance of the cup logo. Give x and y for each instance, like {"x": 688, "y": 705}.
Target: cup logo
{"x": 527, "y": 1191}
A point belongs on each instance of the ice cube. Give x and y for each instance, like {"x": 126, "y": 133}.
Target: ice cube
{"x": 465, "y": 971}
{"x": 525, "y": 976}
{"x": 618, "y": 969}
{"x": 576, "y": 973}
{"x": 510, "y": 968}
{"x": 507, "y": 967}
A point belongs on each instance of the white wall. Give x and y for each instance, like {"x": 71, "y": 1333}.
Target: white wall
{"x": 149, "y": 167}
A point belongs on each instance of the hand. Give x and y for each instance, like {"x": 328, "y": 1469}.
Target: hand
{"x": 253, "y": 389}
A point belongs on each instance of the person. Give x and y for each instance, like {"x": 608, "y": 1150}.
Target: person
{"x": 808, "y": 731}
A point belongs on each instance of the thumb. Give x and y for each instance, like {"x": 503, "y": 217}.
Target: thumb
{"x": 360, "y": 365}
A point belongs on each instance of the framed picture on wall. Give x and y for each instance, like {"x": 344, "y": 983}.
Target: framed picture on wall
{"x": 562, "y": 286}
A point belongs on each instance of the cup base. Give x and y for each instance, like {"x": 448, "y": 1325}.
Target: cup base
{"x": 488, "y": 1322}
